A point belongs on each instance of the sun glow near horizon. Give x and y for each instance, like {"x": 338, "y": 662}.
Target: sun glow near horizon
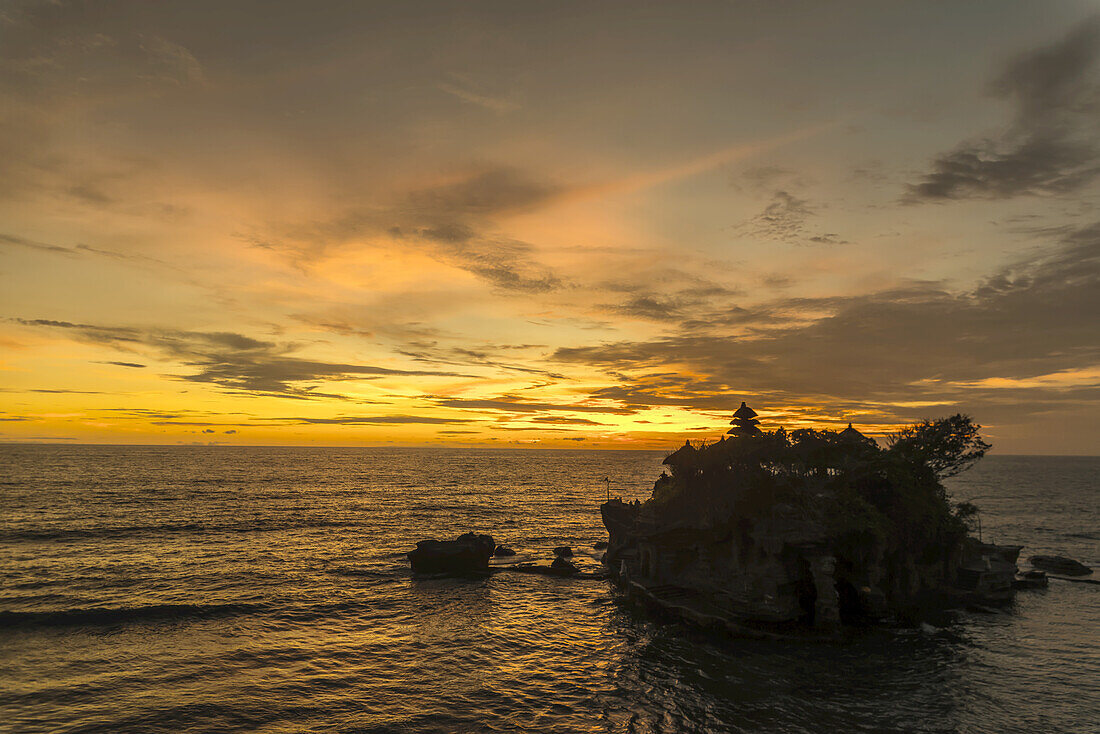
{"x": 392, "y": 232}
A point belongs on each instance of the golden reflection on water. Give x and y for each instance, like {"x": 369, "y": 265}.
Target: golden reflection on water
{"x": 268, "y": 591}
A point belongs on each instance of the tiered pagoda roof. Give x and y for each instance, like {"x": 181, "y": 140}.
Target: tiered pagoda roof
{"x": 744, "y": 422}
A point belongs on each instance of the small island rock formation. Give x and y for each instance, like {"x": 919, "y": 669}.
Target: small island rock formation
{"x": 770, "y": 530}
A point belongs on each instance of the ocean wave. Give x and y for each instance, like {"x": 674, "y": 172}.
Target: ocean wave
{"x": 108, "y": 616}
{"x": 363, "y": 572}
{"x": 192, "y": 527}
{"x": 154, "y": 613}
{"x": 1083, "y": 536}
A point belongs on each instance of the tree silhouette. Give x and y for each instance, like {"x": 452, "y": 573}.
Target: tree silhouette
{"x": 947, "y": 446}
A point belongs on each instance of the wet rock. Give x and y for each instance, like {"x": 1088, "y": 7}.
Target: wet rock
{"x": 468, "y": 553}
{"x": 872, "y": 603}
{"x": 602, "y": 545}
{"x": 501, "y": 551}
{"x": 563, "y": 551}
{"x": 1031, "y": 580}
{"x": 563, "y": 567}
{"x": 1060, "y": 565}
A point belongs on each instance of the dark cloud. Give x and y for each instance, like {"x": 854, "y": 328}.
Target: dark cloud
{"x": 784, "y": 219}
{"x": 89, "y": 194}
{"x": 541, "y": 429}
{"x": 484, "y": 356}
{"x": 54, "y": 391}
{"x": 452, "y": 222}
{"x": 425, "y": 344}
{"x": 305, "y": 421}
{"x": 122, "y": 364}
{"x": 492, "y": 191}
{"x": 82, "y": 251}
{"x": 514, "y": 404}
{"x": 1053, "y": 144}
{"x": 649, "y": 307}
{"x": 42, "y": 438}
{"x": 59, "y": 391}
{"x": 826, "y": 238}
{"x": 382, "y": 420}
{"x": 234, "y": 361}
{"x": 667, "y": 295}
{"x": 165, "y": 415}
{"x": 758, "y": 178}
{"x": 917, "y": 343}
{"x": 566, "y": 421}
{"x": 644, "y": 390}
{"x": 457, "y": 219}
{"x": 199, "y": 424}
{"x": 12, "y": 240}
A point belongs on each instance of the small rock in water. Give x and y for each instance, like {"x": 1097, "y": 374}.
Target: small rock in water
{"x": 562, "y": 566}
{"x": 602, "y": 545}
{"x": 502, "y": 551}
{"x": 468, "y": 553}
{"x": 563, "y": 551}
{"x": 1060, "y": 564}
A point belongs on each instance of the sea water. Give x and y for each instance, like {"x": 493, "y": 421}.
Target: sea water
{"x": 178, "y": 589}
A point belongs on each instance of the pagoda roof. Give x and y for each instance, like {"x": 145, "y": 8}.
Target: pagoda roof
{"x": 851, "y": 434}
{"x": 744, "y": 411}
{"x": 679, "y": 455}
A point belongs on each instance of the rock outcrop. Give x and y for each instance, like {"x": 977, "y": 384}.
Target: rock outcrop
{"x": 468, "y": 553}
{"x": 1060, "y": 565}
{"x": 563, "y": 567}
{"x": 809, "y": 529}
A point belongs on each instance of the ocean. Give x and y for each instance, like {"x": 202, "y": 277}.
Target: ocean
{"x": 210, "y": 589}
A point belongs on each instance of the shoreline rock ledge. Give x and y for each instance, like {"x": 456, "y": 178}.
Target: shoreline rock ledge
{"x": 468, "y": 553}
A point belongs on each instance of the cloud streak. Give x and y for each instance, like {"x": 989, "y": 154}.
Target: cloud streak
{"x": 232, "y": 361}
{"x": 512, "y": 404}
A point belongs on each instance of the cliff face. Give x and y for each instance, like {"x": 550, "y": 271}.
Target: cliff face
{"x": 775, "y": 568}
{"x": 812, "y": 528}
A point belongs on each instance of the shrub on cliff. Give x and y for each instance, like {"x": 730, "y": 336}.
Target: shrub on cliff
{"x": 946, "y": 446}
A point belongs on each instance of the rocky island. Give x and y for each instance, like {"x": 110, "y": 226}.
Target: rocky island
{"x": 776, "y": 532}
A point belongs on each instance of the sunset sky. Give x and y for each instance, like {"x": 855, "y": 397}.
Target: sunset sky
{"x": 558, "y": 224}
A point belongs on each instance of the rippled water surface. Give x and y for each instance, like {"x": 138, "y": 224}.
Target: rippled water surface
{"x": 261, "y": 589}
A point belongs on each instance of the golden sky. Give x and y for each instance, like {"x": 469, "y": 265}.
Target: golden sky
{"x": 555, "y": 224}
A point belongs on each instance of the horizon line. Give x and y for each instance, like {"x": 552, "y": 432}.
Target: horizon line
{"x": 60, "y": 442}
